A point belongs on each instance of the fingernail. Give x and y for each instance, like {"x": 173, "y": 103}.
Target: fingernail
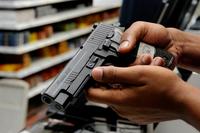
{"x": 158, "y": 62}
{"x": 146, "y": 59}
{"x": 124, "y": 45}
{"x": 97, "y": 73}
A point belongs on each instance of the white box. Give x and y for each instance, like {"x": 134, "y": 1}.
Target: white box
{"x": 106, "y": 2}
{"x": 16, "y": 16}
{"x": 13, "y": 105}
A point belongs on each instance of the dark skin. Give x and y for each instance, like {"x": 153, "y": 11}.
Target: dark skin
{"x": 148, "y": 92}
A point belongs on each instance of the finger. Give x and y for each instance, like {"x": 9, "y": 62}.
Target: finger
{"x": 107, "y": 96}
{"x": 101, "y": 95}
{"x": 144, "y": 59}
{"x": 158, "y": 61}
{"x": 111, "y": 74}
{"x": 146, "y": 32}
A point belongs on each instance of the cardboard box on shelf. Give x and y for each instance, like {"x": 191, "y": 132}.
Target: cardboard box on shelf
{"x": 106, "y": 2}
{"x": 16, "y": 16}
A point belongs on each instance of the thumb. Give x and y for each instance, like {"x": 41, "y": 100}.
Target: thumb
{"x": 111, "y": 74}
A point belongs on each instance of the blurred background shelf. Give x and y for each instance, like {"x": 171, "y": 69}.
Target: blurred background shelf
{"x": 16, "y": 4}
{"x": 56, "y": 17}
{"x": 39, "y": 88}
{"x": 39, "y": 65}
{"x": 57, "y": 37}
{"x": 43, "y": 35}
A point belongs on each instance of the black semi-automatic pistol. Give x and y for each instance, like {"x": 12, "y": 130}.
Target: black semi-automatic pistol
{"x": 100, "y": 48}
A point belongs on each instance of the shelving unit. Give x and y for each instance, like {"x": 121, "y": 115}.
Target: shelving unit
{"x": 7, "y": 4}
{"x": 57, "y": 17}
{"x": 39, "y": 65}
{"x": 39, "y": 88}
{"x": 45, "y": 63}
{"x": 45, "y": 68}
{"x": 58, "y": 37}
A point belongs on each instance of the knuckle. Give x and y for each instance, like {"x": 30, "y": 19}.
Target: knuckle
{"x": 89, "y": 94}
{"x": 138, "y": 24}
{"x": 110, "y": 74}
{"x": 125, "y": 35}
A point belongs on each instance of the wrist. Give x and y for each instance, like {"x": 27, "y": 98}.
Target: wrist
{"x": 189, "y": 99}
{"x": 177, "y": 43}
{"x": 186, "y": 49}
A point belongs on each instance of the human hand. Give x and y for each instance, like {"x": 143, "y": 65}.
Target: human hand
{"x": 152, "y": 34}
{"x": 146, "y": 93}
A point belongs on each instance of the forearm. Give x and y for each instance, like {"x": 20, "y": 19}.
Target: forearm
{"x": 191, "y": 105}
{"x": 189, "y": 49}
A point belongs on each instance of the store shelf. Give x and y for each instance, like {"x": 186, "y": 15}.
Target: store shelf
{"x": 39, "y": 88}
{"x": 45, "y": 63}
{"x": 56, "y": 17}
{"x": 39, "y": 65}
{"x": 16, "y": 4}
{"x": 58, "y": 37}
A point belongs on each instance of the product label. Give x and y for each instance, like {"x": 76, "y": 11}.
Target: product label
{"x": 146, "y": 49}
